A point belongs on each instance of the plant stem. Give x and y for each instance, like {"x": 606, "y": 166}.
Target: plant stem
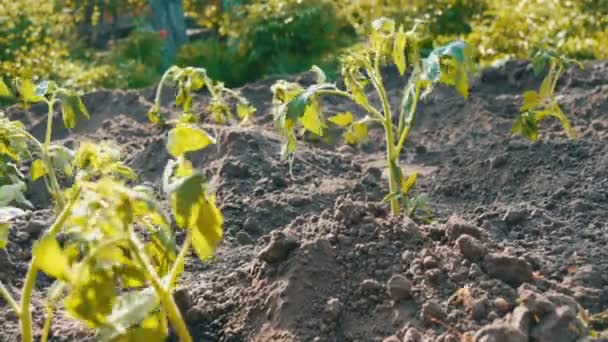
{"x": 54, "y": 183}
{"x": 47, "y": 323}
{"x": 391, "y": 158}
{"x": 159, "y": 89}
{"x": 166, "y": 298}
{"x": 412, "y": 116}
{"x": 26, "y": 299}
{"x": 179, "y": 261}
{"x": 9, "y": 299}
{"x": 32, "y": 272}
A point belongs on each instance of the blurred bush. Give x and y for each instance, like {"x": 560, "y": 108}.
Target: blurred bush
{"x": 513, "y": 29}
{"x": 248, "y": 39}
{"x": 35, "y": 38}
{"x": 138, "y": 59}
{"x": 223, "y": 61}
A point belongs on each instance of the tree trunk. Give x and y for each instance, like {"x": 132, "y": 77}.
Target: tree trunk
{"x": 168, "y": 16}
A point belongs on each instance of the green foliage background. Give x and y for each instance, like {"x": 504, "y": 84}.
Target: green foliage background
{"x": 244, "y": 40}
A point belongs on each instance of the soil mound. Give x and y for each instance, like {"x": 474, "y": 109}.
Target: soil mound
{"x": 516, "y": 251}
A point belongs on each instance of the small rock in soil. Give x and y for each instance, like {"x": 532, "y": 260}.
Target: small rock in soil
{"x": 333, "y": 308}
{"x": 514, "y": 216}
{"x": 557, "y": 327}
{"x": 470, "y": 247}
{"x": 392, "y": 338}
{"x": 479, "y": 309}
{"x": 429, "y": 262}
{"x": 399, "y": 287}
{"x": 412, "y": 335}
{"x": 35, "y": 227}
{"x": 251, "y": 225}
{"x": 512, "y": 270}
{"x": 457, "y": 226}
{"x": 370, "y": 285}
{"x": 431, "y": 310}
{"x": 499, "y": 333}
{"x": 520, "y": 319}
{"x": 183, "y": 300}
{"x": 279, "y": 247}
{"x": 501, "y": 304}
{"x": 23, "y": 236}
{"x": 243, "y": 238}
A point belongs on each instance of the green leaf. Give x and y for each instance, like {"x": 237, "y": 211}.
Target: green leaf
{"x": 399, "y": 50}
{"x": 92, "y": 295}
{"x": 129, "y": 310}
{"x": 342, "y": 119}
{"x": 449, "y": 64}
{"x": 13, "y": 193}
{"x": 72, "y": 108}
{"x": 38, "y": 169}
{"x": 186, "y": 138}
{"x": 355, "y": 86}
{"x": 312, "y": 119}
{"x": 185, "y": 194}
{"x": 245, "y": 111}
{"x": 208, "y": 228}
{"x": 41, "y": 88}
{"x": 27, "y": 91}
{"x": 526, "y": 126}
{"x": 319, "y": 73}
{"x": 62, "y": 158}
{"x": 356, "y": 134}
{"x": 153, "y": 328}
{"x": 544, "y": 91}
{"x": 557, "y": 112}
{"x": 155, "y": 116}
{"x": 197, "y": 80}
{"x": 531, "y": 101}
{"x": 407, "y": 184}
{"x": 50, "y": 259}
{"x": 193, "y": 209}
{"x": 539, "y": 62}
{"x": 6, "y": 215}
{"x": 4, "y": 90}
{"x": 4, "y": 230}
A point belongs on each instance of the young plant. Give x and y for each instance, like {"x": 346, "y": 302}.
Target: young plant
{"x": 119, "y": 265}
{"x": 49, "y": 158}
{"x": 191, "y": 79}
{"x": 107, "y": 275}
{"x": 361, "y": 69}
{"x": 543, "y": 103}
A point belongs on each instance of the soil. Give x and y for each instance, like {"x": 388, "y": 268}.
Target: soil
{"x": 516, "y": 250}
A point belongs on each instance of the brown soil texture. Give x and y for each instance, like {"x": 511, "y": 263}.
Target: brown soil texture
{"x": 516, "y": 251}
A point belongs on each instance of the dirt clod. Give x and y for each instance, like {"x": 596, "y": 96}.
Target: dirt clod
{"x": 243, "y": 238}
{"x": 512, "y": 270}
{"x": 279, "y": 247}
{"x": 431, "y": 311}
{"x": 470, "y": 247}
{"x": 399, "y": 287}
{"x": 457, "y": 226}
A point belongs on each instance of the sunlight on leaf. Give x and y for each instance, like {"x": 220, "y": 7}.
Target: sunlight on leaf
{"x": 38, "y": 169}
{"x": 342, "y": 119}
{"x": 186, "y": 138}
{"x": 50, "y": 259}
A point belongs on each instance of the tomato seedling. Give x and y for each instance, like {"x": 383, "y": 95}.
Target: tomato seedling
{"x": 191, "y": 79}
{"x": 361, "y": 67}
{"x": 118, "y": 264}
{"x": 543, "y": 103}
{"x": 49, "y": 157}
